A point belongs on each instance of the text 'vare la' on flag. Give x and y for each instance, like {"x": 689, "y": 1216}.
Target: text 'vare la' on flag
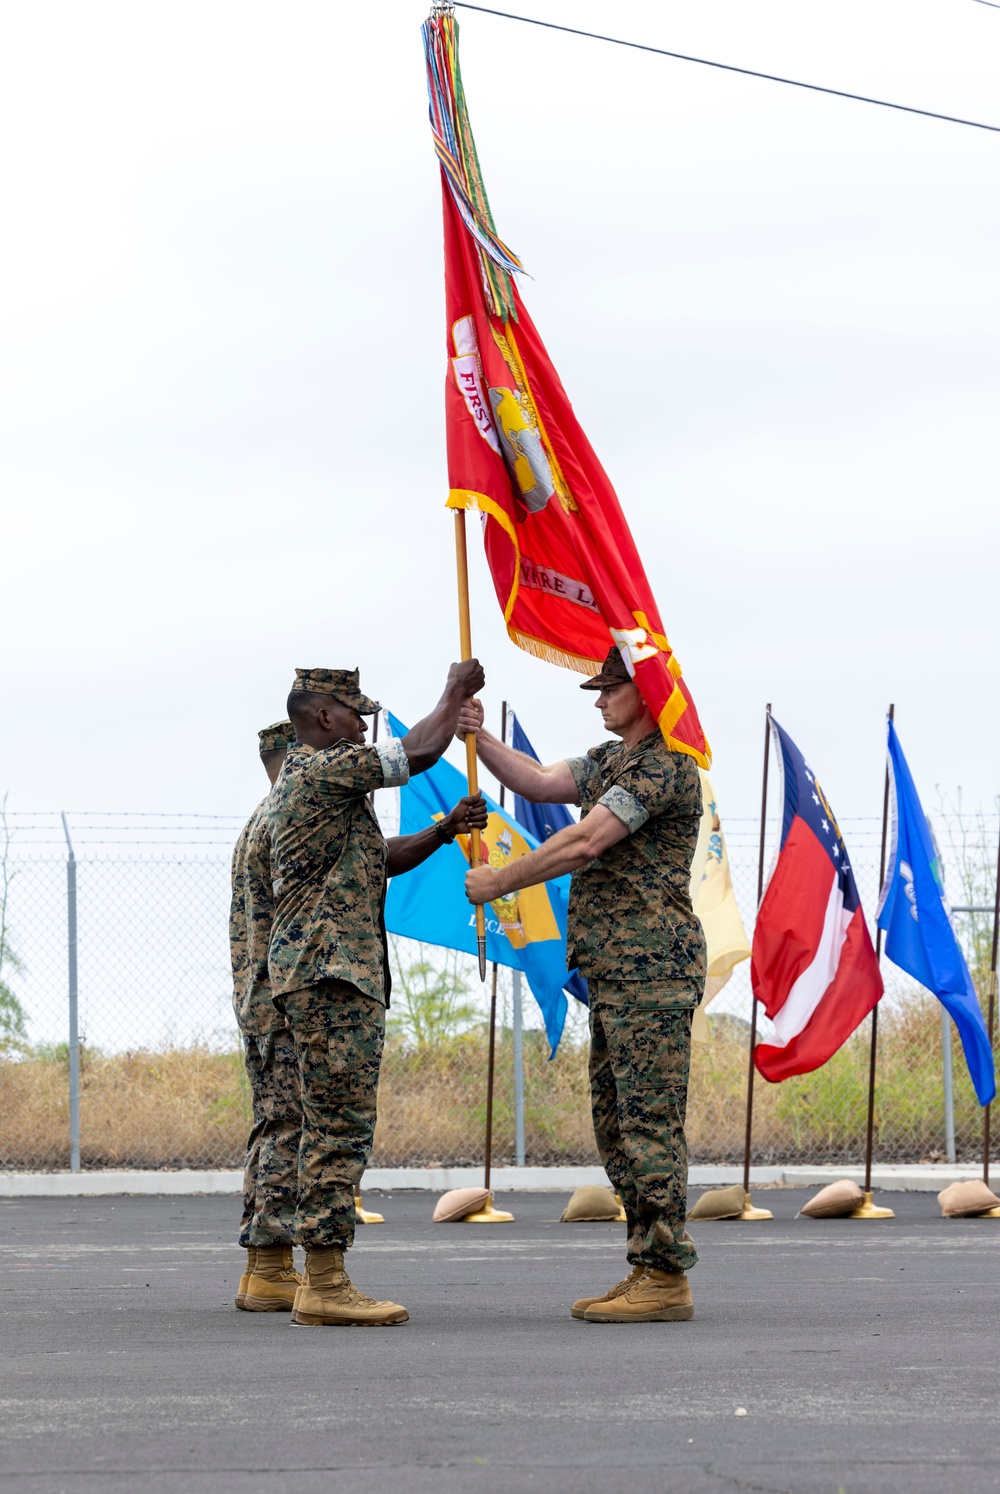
{"x": 813, "y": 967}
{"x": 566, "y": 571}
{"x": 525, "y": 931}
{"x": 919, "y": 936}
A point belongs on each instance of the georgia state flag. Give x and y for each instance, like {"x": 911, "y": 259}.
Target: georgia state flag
{"x": 813, "y": 967}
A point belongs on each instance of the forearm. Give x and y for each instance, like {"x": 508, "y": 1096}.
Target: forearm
{"x": 516, "y": 771}
{"x": 408, "y": 851}
{"x": 566, "y": 851}
{"x": 427, "y": 741}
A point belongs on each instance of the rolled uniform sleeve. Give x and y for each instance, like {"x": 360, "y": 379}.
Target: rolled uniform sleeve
{"x": 395, "y": 763}
{"x": 349, "y": 770}
{"x": 586, "y": 776}
{"x": 625, "y": 807}
{"x": 642, "y": 791}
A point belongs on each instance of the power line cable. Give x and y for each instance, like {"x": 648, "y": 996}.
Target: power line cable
{"x": 729, "y": 67}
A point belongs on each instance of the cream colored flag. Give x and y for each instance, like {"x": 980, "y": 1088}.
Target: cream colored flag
{"x": 715, "y": 904}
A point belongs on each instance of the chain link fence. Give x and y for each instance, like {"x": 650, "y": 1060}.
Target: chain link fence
{"x": 160, "y": 1073}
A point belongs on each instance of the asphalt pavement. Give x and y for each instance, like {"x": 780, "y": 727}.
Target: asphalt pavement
{"x": 864, "y": 1354}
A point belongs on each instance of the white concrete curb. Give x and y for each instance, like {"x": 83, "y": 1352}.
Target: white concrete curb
{"x": 918, "y": 1179}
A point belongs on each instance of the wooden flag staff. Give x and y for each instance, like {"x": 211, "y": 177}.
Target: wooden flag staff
{"x": 471, "y": 765}
{"x": 866, "y": 1209}
{"x": 363, "y": 1215}
{"x": 749, "y": 1212}
{"x": 488, "y": 1214}
{"x": 990, "y": 1021}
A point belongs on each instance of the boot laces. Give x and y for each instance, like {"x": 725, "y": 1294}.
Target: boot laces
{"x": 355, "y": 1296}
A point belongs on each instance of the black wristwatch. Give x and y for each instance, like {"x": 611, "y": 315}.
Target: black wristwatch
{"x": 443, "y": 834}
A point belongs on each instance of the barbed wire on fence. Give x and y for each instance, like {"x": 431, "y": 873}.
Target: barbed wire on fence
{"x": 161, "y": 1074}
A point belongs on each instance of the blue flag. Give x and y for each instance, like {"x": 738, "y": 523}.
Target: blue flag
{"x": 525, "y": 931}
{"x": 543, "y": 820}
{"x": 919, "y": 937}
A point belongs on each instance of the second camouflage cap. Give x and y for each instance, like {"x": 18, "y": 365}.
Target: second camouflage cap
{"x": 343, "y": 684}
{"x": 613, "y": 672}
{"x": 274, "y": 738}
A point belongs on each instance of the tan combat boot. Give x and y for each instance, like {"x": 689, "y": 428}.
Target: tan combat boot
{"x": 328, "y": 1297}
{"x": 653, "y": 1297}
{"x": 274, "y": 1281}
{"x": 579, "y": 1308}
{"x": 241, "y": 1290}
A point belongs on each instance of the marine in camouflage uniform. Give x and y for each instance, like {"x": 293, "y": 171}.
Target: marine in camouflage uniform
{"x": 633, "y": 933}
{"x": 270, "y": 1169}
{"x": 328, "y": 959}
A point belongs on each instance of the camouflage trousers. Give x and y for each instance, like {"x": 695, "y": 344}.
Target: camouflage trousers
{"x": 339, "y": 1035}
{"x": 640, "y": 1052}
{"x": 270, "y": 1183}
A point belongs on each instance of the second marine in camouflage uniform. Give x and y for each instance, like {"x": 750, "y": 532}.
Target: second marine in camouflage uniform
{"x": 328, "y": 962}
{"x": 634, "y": 935}
{"x": 270, "y": 1170}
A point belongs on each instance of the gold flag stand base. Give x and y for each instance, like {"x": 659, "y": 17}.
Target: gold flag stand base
{"x": 749, "y": 1212}
{"x": 621, "y": 1217}
{"x": 989, "y": 1214}
{"x": 362, "y": 1215}
{"x": 868, "y": 1210}
{"x": 488, "y": 1215}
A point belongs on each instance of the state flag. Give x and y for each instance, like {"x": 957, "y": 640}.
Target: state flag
{"x": 919, "y": 936}
{"x": 813, "y": 966}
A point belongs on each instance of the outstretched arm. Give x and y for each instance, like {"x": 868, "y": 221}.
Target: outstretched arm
{"x": 519, "y": 772}
{"x": 425, "y": 743}
{"x": 566, "y": 851}
{"x": 408, "y": 851}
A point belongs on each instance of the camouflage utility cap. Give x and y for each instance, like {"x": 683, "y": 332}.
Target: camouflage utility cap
{"x": 613, "y": 672}
{"x": 343, "y": 684}
{"x": 275, "y": 738}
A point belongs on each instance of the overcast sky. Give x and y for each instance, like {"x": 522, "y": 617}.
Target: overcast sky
{"x": 222, "y": 360}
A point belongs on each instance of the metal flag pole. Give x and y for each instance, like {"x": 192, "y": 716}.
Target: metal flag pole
{"x": 749, "y": 1212}
{"x": 991, "y": 1019}
{"x": 866, "y": 1209}
{"x": 74, "y": 1026}
{"x": 488, "y": 1214}
{"x": 471, "y": 766}
{"x": 361, "y": 1214}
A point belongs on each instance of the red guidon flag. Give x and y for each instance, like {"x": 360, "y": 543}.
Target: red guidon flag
{"x": 566, "y": 570}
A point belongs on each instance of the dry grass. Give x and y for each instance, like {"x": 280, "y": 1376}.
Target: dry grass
{"x": 190, "y": 1107}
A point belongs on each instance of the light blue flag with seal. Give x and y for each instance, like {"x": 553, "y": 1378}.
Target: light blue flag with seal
{"x": 919, "y": 936}
{"x": 525, "y": 931}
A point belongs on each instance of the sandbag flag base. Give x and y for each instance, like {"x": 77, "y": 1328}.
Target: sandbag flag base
{"x": 868, "y": 1210}
{"x": 363, "y": 1215}
{"x": 750, "y": 1213}
{"x": 488, "y": 1215}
